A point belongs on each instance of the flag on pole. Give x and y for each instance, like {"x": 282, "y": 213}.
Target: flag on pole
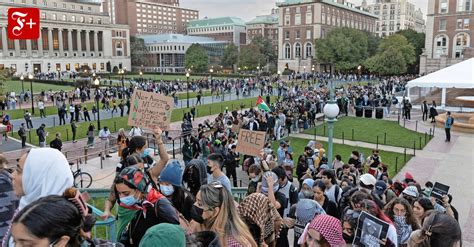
{"x": 261, "y": 104}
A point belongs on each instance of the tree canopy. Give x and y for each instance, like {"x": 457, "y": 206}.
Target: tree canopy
{"x": 251, "y": 57}
{"x": 266, "y": 48}
{"x": 196, "y": 58}
{"x": 138, "y": 51}
{"x": 345, "y": 48}
{"x": 231, "y": 56}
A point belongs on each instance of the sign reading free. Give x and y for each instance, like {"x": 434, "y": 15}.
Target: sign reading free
{"x": 150, "y": 110}
{"x": 250, "y": 142}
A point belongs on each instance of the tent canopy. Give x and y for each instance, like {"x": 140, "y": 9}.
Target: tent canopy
{"x": 460, "y": 75}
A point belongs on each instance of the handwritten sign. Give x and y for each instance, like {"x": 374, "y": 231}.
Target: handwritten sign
{"x": 250, "y": 142}
{"x": 150, "y": 110}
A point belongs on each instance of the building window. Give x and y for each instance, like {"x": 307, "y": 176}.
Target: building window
{"x": 464, "y": 5}
{"x": 443, "y": 6}
{"x": 287, "y": 34}
{"x": 82, "y": 19}
{"x": 55, "y": 17}
{"x": 297, "y": 50}
{"x": 298, "y": 19}
{"x": 73, "y": 18}
{"x": 99, "y": 21}
{"x": 287, "y": 20}
{"x": 297, "y": 34}
{"x": 459, "y": 23}
{"x": 440, "y": 46}
{"x": 308, "y": 50}
{"x": 287, "y": 51}
{"x": 461, "y": 41}
{"x": 323, "y": 18}
{"x": 442, "y": 25}
{"x": 91, "y": 20}
{"x": 309, "y": 17}
{"x": 466, "y": 23}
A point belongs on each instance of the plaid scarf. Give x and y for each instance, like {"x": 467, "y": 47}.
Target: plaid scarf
{"x": 256, "y": 208}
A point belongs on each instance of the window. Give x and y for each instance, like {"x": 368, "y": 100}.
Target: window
{"x": 287, "y": 20}
{"x": 99, "y": 21}
{"x": 82, "y": 19}
{"x": 461, "y": 41}
{"x": 64, "y": 18}
{"x": 442, "y": 24}
{"x": 443, "y": 6}
{"x": 287, "y": 34}
{"x": 298, "y": 19}
{"x": 55, "y": 17}
{"x": 297, "y": 50}
{"x": 459, "y": 23}
{"x": 43, "y": 15}
{"x": 73, "y": 18}
{"x": 464, "y": 5}
{"x": 91, "y": 20}
{"x": 309, "y": 17}
{"x": 308, "y": 50}
{"x": 440, "y": 46}
{"x": 287, "y": 51}
{"x": 308, "y": 34}
{"x": 297, "y": 34}
{"x": 466, "y": 23}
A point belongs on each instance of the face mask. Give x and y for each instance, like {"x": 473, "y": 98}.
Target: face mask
{"x": 311, "y": 153}
{"x": 399, "y": 219}
{"x": 196, "y": 214}
{"x": 166, "y": 190}
{"x": 308, "y": 194}
{"x": 128, "y": 200}
{"x": 256, "y": 179}
{"x": 348, "y": 238}
{"x": 209, "y": 170}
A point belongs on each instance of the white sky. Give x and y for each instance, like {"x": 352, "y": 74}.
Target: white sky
{"x": 248, "y": 9}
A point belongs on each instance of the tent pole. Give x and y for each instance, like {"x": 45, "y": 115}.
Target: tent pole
{"x": 443, "y": 97}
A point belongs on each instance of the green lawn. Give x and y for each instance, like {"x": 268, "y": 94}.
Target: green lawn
{"x": 388, "y": 158}
{"x": 15, "y": 86}
{"x": 115, "y": 124}
{"x": 367, "y": 130}
{"x": 50, "y": 110}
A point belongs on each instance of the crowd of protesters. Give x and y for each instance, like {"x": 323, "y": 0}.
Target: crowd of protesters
{"x": 291, "y": 194}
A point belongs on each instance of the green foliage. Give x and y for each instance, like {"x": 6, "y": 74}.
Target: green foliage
{"x": 231, "y": 56}
{"x": 138, "y": 51}
{"x": 344, "y": 47}
{"x": 417, "y": 40}
{"x": 251, "y": 57}
{"x": 394, "y": 54}
{"x": 5, "y": 75}
{"x": 373, "y": 42}
{"x": 266, "y": 48}
{"x": 196, "y": 58}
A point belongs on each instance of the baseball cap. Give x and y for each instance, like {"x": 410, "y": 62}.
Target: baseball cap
{"x": 368, "y": 179}
{"x": 380, "y": 187}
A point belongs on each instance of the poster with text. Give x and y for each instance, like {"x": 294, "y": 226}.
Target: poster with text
{"x": 150, "y": 110}
{"x": 370, "y": 230}
{"x": 250, "y": 142}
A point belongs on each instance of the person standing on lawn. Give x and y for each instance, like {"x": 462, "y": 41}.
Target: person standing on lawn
{"x": 22, "y": 134}
{"x": 447, "y": 126}
{"x": 27, "y": 116}
{"x": 41, "y": 108}
{"x": 104, "y": 135}
{"x": 41, "y": 135}
{"x": 74, "y": 131}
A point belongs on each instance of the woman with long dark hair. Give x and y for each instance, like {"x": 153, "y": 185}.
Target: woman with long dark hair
{"x": 400, "y": 212}
{"x": 439, "y": 230}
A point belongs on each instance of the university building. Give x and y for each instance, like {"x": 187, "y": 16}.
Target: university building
{"x": 74, "y": 35}
{"x": 150, "y": 16}
{"x": 301, "y": 22}
{"x": 449, "y": 34}
{"x": 166, "y": 52}
{"x": 229, "y": 29}
{"x": 395, "y": 15}
{"x": 264, "y": 26}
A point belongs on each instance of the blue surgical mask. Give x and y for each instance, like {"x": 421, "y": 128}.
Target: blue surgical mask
{"x": 166, "y": 190}
{"x": 128, "y": 200}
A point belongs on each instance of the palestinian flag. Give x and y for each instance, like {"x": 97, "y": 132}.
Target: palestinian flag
{"x": 261, "y": 104}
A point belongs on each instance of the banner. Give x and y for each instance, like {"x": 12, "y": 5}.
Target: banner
{"x": 150, "y": 110}
{"x": 250, "y": 142}
{"x": 370, "y": 230}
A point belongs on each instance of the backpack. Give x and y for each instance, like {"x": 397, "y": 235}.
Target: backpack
{"x": 452, "y": 121}
{"x": 21, "y": 132}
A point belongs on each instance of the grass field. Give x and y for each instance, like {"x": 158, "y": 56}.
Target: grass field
{"x": 388, "y": 158}
{"x": 367, "y": 130}
{"x": 15, "y": 86}
{"x": 115, "y": 124}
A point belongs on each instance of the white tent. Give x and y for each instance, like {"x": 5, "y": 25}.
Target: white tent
{"x": 460, "y": 75}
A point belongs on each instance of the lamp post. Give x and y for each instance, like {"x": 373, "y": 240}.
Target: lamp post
{"x": 331, "y": 110}
{"x": 30, "y": 76}
{"x": 312, "y": 71}
{"x": 22, "y": 86}
{"x": 187, "y": 89}
{"x": 279, "y": 73}
{"x": 59, "y": 73}
{"x": 96, "y": 84}
{"x": 141, "y": 76}
{"x": 122, "y": 72}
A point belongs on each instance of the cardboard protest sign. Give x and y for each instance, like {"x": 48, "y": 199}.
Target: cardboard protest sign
{"x": 150, "y": 110}
{"x": 439, "y": 190}
{"x": 370, "y": 230}
{"x": 250, "y": 142}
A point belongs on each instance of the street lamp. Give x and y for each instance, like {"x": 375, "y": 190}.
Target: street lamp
{"x": 187, "y": 90}
{"x": 22, "y": 86}
{"x": 30, "y": 76}
{"x": 121, "y": 72}
{"x": 96, "y": 84}
{"x": 59, "y": 73}
{"x": 141, "y": 75}
{"x": 312, "y": 71}
{"x": 331, "y": 110}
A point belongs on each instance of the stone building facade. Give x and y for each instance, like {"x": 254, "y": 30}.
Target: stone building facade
{"x": 264, "y": 26}
{"x": 229, "y": 29}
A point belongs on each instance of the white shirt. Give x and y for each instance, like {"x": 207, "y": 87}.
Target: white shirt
{"x": 104, "y": 134}
{"x": 40, "y": 105}
{"x": 136, "y": 131}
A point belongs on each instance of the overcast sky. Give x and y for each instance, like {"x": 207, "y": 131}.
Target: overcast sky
{"x": 248, "y": 9}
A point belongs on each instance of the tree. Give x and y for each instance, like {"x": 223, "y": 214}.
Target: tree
{"x": 196, "y": 58}
{"x": 417, "y": 40}
{"x": 5, "y": 74}
{"x": 373, "y": 42}
{"x": 138, "y": 51}
{"x": 345, "y": 48}
{"x": 231, "y": 56}
{"x": 251, "y": 57}
{"x": 394, "y": 54}
{"x": 266, "y": 48}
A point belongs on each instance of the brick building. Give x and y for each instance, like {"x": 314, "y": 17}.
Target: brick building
{"x": 150, "y": 16}
{"x": 230, "y": 29}
{"x": 264, "y": 26}
{"x": 449, "y": 34}
{"x": 301, "y": 22}
{"x": 74, "y": 35}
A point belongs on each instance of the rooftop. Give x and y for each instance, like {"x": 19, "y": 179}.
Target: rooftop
{"x": 177, "y": 38}
{"x": 219, "y": 21}
{"x": 330, "y": 2}
{"x": 264, "y": 19}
